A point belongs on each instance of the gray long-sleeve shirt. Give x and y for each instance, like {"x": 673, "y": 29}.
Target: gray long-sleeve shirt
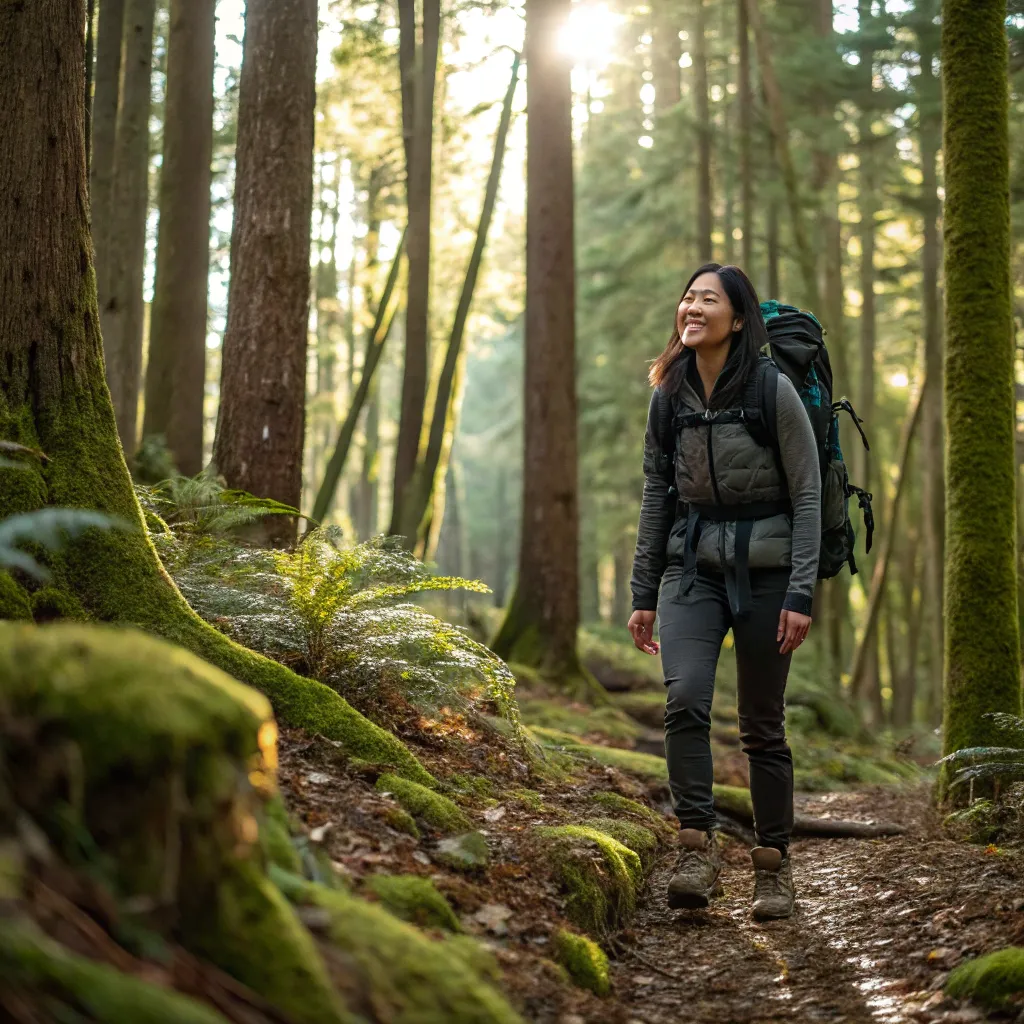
{"x": 799, "y": 462}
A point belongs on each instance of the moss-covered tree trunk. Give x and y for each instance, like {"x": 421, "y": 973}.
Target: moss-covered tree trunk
{"x": 53, "y": 395}
{"x": 261, "y": 420}
{"x": 982, "y": 644}
{"x": 541, "y": 622}
{"x": 176, "y": 370}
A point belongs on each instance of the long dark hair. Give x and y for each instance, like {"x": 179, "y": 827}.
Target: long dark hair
{"x": 747, "y": 342}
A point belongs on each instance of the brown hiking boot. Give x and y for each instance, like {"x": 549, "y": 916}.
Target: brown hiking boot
{"x": 694, "y": 881}
{"x": 774, "y": 895}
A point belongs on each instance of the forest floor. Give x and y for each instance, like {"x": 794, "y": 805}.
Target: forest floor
{"x": 880, "y": 923}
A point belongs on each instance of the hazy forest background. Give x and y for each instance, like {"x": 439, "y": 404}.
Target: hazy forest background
{"x": 324, "y": 335}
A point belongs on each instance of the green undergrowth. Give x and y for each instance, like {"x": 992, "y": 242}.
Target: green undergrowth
{"x": 584, "y": 961}
{"x": 393, "y": 970}
{"x": 640, "y": 839}
{"x": 436, "y": 811}
{"x": 610, "y": 655}
{"x": 578, "y": 719}
{"x": 415, "y": 899}
{"x": 990, "y": 980}
{"x": 619, "y": 805}
{"x": 599, "y": 875}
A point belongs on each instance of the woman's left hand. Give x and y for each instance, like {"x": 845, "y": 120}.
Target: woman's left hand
{"x": 793, "y": 629}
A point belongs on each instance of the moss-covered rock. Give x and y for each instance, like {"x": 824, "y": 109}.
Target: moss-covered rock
{"x": 618, "y": 804}
{"x": 976, "y": 823}
{"x": 990, "y": 980}
{"x": 466, "y": 852}
{"x": 37, "y": 969}
{"x": 475, "y": 955}
{"x": 84, "y": 708}
{"x": 584, "y": 961}
{"x": 14, "y": 601}
{"x": 414, "y": 899}
{"x": 578, "y": 719}
{"x": 640, "y": 839}
{"x": 434, "y": 810}
{"x": 402, "y": 821}
{"x": 599, "y": 875}
{"x": 276, "y": 838}
{"x": 52, "y": 604}
{"x": 646, "y": 766}
{"x": 396, "y": 973}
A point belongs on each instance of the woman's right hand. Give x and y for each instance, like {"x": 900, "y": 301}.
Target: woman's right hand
{"x": 641, "y": 628}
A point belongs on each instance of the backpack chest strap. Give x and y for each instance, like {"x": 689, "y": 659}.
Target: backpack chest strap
{"x": 709, "y": 418}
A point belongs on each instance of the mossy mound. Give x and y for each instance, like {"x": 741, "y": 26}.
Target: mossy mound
{"x": 990, "y": 980}
{"x": 584, "y": 961}
{"x": 615, "y": 662}
{"x": 402, "y": 821}
{"x": 414, "y": 899}
{"x": 476, "y": 956}
{"x": 14, "y": 601}
{"x": 646, "y": 706}
{"x": 52, "y": 604}
{"x": 599, "y": 875}
{"x": 390, "y": 971}
{"x": 276, "y": 838}
{"x": 641, "y": 840}
{"x": 618, "y": 804}
{"x": 434, "y": 810}
{"x": 647, "y": 766}
{"x": 37, "y": 972}
{"x": 833, "y": 714}
{"x": 976, "y": 823}
{"x": 170, "y": 764}
{"x": 578, "y": 719}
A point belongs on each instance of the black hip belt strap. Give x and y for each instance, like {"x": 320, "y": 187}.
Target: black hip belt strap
{"x": 737, "y": 579}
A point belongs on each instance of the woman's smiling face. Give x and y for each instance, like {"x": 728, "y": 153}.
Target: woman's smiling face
{"x": 705, "y": 318}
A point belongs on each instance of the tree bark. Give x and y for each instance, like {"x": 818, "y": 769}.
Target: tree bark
{"x": 122, "y": 314}
{"x": 176, "y": 370}
{"x": 773, "y": 254}
{"x": 420, "y": 491}
{"x": 666, "y": 51}
{"x": 109, "y": 37}
{"x": 745, "y": 97}
{"x": 933, "y": 434}
{"x": 53, "y": 396}
{"x": 541, "y": 623}
{"x": 417, "y": 308}
{"x": 904, "y": 684}
{"x": 982, "y": 663}
{"x": 260, "y": 425}
{"x": 90, "y": 73}
{"x": 780, "y": 136}
{"x": 705, "y": 251}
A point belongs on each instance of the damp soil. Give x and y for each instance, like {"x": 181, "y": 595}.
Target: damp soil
{"x": 879, "y": 925}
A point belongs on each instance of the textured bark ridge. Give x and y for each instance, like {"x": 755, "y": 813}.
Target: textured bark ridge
{"x": 53, "y": 396}
{"x": 540, "y": 628}
{"x": 981, "y": 637}
{"x": 175, "y": 374}
{"x": 263, "y": 381}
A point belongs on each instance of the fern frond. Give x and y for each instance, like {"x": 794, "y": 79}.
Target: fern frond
{"x": 972, "y": 755}
{"x": 1010, "y": 724}
{"x": 50, "y": 528}
{"x": 992, "y": 770}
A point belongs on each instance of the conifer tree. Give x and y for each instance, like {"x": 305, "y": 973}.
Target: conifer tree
{"x": 982, "y": 671}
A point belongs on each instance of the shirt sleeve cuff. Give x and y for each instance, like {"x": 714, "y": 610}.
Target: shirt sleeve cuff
{"x": 645, "y": 603}
{"x": 799, "y": 603}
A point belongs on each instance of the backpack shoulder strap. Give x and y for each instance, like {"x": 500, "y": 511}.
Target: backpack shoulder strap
{"x": 759, "y": 403}
{"x": 667, "y": 428}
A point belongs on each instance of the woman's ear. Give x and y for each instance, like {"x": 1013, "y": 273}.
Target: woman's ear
{"x": 737, "y": 324}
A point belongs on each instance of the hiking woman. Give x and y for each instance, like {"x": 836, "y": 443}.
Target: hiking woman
{"x": 728, "y": 539}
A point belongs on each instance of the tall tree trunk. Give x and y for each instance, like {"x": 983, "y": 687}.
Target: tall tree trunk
{"x": 176, "y": 371}
{"x": 665, "y": 54}
{"x": 982, "y": 663}
{"x": 53, "y": 396}
{"x": 540, "y": 626}
{"x": 622, "y": 560}
{"x": 501, "y": 544}
{"x": 745, "y": 98}
{"x": 419, "y": 493}
{"x": 417, "y": 327}
{"x": 107, "y": 88}
{"x": 904, "y": 685}
{"x": 90, "y": 73}
{"x": 774, "y": 248}
{"x": 933, "y": 439}
{"x": 705, "y": 250}
{"x": 122, "y": 314}
{"x": 260, "y": 426}
{"x": 780, "y": 137}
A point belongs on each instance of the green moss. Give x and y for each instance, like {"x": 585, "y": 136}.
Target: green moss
{"x": 619, "y": 804}
{"x": 476, "y": 956}
{"x": 404, "y": 976}
{"x": 982, "y": 643}
{"x": 51, "y": 604}
{"x": 467, "y": 852}
{"x": 990, "y": 980}
{"x": 478, "y": 786}
{"x": 600, "y": 890}
{"x": 976, "y": 823}
{"x": 734, "y": 800}
{"x": 642, "y": 841}
{"x": 276, "y": 838}
{"x": 647, "y": 766}
{"x": 433, "y": 809}
{"x": 34, "y": 965}
{"x": 528, "y": 798}
{"x": 14, "y": 601}
{"x": 401, "y": 821}
{"x": 584, "y": 960}
{"x": 414, "y": 899}
{"x": 578, "y": 719}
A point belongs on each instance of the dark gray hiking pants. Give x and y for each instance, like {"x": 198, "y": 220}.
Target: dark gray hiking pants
{"x": 692, "y": 627}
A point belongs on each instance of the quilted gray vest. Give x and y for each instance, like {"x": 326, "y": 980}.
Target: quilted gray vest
{"x": 734, "y": 497}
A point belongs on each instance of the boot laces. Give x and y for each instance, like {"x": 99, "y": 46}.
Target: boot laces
{"x": 767, "y": 884}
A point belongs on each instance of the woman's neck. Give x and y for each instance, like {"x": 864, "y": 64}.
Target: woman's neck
{"x": 709, "y": 367}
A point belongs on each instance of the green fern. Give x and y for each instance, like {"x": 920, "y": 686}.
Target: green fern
{"x": 973, "y": 764}
{"x": 337, "y": 613}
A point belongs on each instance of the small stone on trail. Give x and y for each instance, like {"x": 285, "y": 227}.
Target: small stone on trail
{"x": 318, "y": 779}
{"x": 420, "y": 857}
{"x": 463, "y": 852}
{"x": 493, "y": 917}
{"x": 493, "y": 814}
{"x": 317, "y": 834}
{"x": 643, "y": 979}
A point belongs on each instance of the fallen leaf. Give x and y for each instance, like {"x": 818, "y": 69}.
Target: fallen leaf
{"x": 493, "y": 814}
{"x": 493, "y": 917}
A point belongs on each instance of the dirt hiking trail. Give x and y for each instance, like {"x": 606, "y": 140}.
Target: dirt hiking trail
{"x": 880, "y": 923}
